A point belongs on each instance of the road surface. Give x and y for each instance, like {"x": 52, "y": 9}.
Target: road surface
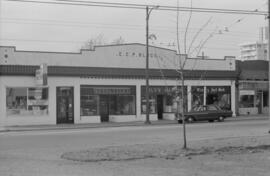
{"x": 33, "y": 153}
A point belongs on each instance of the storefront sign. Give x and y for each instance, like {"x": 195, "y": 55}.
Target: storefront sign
{"x": 161, "y": 90}
{"x": 197, "y": 89}
{"x": 253, "y": 86}
{"x": 221, "y": 89}
{"x": 41, "y": 75}
{"x": 136, "y": 54}
{"x": 37, "y": 102}
{"x": 110, "y": 91}
{"x": 247, "y": 92}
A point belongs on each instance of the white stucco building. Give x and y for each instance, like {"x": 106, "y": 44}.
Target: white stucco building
{"x": 106, "y": 84}
{"x": 255, "y": 50}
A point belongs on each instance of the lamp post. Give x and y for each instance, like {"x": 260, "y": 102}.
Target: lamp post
{"x": 268, "y": 54}
{"x": 148, "y": 12}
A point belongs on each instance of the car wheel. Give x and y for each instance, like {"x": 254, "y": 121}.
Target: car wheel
{"x": 221, "y": 119}
{"x": 179, "y": 121}
{"x": 190, "y": 119}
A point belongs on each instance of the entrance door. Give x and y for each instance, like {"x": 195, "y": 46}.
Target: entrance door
{"x": 65, "y": 103}
{"x": 104, "y": 108}
{"x": 160, "y": 107}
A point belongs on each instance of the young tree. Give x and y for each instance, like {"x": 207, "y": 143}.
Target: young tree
{"x": 183, "y": 56}
{"x": 118, "y": 41}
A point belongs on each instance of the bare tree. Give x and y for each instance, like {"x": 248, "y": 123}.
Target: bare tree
{"x": 182, "y": 62}
{"x": 100, "y": 40}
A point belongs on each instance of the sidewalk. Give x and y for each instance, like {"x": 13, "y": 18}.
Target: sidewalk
{"x": 115, "y": 124}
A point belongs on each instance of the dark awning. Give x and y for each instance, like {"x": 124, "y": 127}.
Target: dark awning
{"x": 28, "y": 70}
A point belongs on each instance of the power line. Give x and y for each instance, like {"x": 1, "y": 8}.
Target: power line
{"x": 142, "y": 6}
{"x": 111, "y": 26}
{"x": 66, "y": 41}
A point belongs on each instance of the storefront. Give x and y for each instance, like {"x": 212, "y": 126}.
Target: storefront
{"x": 89, "y": 87}
{"x": 164, "y": 100}
{"x": 253, "y": 97}
{"x": 253, "y": 87}
{"x": 107, "y": 100}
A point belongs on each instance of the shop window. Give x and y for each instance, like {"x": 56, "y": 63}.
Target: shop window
{"x": 219, "y": 96}
{"x": 152, "y": 104}
{"x": 171, "y": 98}
{"x": 197, "y": 94}
{"x": 89, "y": 105}
{"x": 169, "y": 104}
{"x": 246, "y": 101}
{"x": 122, "y": 105}
{"x": 27, "y": 101}
{"x": 118, "y": 100}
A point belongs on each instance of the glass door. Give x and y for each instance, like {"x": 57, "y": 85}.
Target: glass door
{"x": 104, "y": 108}
{"x": 65, "y": 103}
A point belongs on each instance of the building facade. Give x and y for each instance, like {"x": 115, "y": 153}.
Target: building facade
{"x": 255, "y": 50}
{"x": 107, "y": 84}
{"x": 253, "y": 87}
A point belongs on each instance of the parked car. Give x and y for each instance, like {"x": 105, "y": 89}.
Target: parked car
{"x": 206, "y": 112}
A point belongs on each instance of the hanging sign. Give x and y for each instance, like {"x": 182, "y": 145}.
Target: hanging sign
{"x": 41, "y": 75}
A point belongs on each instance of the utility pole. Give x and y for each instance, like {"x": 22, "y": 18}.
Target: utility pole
{"x": 147, "y": 120}
{"x": 148, "y": 12}
{"x": 268, "y": 53}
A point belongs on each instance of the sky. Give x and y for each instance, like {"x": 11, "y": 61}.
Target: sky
{"x": 66, "y": 28}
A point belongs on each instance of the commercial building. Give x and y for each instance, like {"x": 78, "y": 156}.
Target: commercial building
{"x": 253, "y": 87}
{"x": 107, "y": 84}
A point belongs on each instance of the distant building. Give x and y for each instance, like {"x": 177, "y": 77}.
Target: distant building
{"x": 255, "y": 50}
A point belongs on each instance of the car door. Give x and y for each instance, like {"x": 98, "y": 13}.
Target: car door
{"x": 201, "y": 113}
{"x": 213, "y": 112}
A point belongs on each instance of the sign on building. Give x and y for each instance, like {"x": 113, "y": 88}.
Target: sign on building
{"x": 41, "y": 75}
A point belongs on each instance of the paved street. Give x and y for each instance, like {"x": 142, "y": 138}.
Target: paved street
{"x": 38, "y": 152}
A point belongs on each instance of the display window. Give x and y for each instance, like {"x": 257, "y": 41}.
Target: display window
{"x": 165, "y": 99}
{"x": 117, "y": 100}
{"x": 27, "y": 101}
{"x": 152, "y": 104}
{"x": 197, "y": 94}
{"x": 122, "y": 105}
{"x": 246, "y": 101}
{"x": 89, "y": 105}
{"x": 219, "y": 96}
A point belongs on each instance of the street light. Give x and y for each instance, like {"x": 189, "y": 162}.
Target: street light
{"x": 268, "y": 53}
{"x": 148, "y": 12}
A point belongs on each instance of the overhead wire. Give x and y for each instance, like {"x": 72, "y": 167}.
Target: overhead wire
{"x": 142, "y": 6}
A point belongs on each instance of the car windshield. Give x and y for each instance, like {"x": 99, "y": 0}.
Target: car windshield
{"x": 213, "y": 108}
{"x": 199, "y": 108}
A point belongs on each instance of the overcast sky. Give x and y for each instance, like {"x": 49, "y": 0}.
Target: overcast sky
{"x": 65, "y": 28}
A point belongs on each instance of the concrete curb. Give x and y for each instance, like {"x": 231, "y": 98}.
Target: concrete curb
{"x": 84, "y": 126}
{"x": 114, "y": 124}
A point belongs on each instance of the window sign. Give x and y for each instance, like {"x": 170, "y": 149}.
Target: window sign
{"x": 219, "y": 96}
{"x": 27, "y": 101}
